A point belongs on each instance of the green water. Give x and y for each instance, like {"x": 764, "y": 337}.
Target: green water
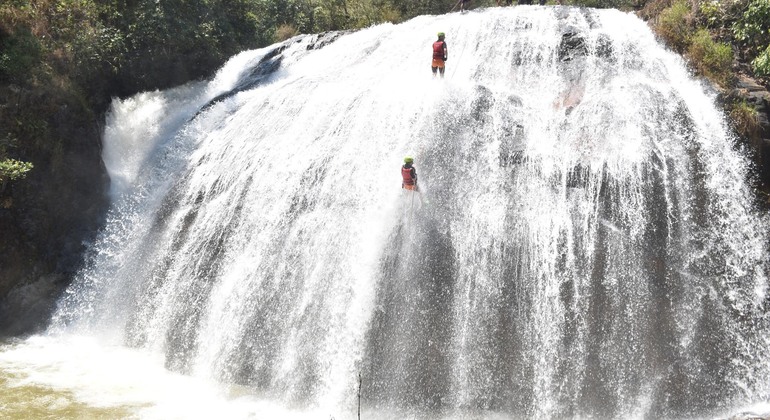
{"x": 25, "y": 401}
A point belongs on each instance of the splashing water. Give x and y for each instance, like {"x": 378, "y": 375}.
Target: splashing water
{"x": 585, "y": 243}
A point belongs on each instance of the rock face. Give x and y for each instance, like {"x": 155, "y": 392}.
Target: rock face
{"x": 759, "y": 97}
{"x": 45, "y": 221}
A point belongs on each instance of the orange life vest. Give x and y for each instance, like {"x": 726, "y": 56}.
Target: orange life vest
{"x": 406, "y": 174}
{"x": 438, "y": 50}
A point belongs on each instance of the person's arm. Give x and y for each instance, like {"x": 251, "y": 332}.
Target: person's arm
{"x": 414, "y": 175}
{"x": 445, "y": 52}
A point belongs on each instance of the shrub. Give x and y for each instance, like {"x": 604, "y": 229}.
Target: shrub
{"x": 711, "y": 13}
{"x": 651, "y": 9}
{"x": 604, "y": 4}
{"x": 674, "y": 25}
{"x": 744, "y": 117}
{"x": 761, "y": 64}
{"x": 753, "y": 27}
{"x": 391, "y": 15}
{"x": 20, "y": 53}
{"x": 284, "y": 32}
{"x": 712, "y": 59}
{"x": 11, "y": 170}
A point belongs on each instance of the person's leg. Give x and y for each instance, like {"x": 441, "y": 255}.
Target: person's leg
{"x": 441, "y": 70}
{"x": 434, "y": 69}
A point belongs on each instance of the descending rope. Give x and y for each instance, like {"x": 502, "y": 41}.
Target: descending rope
{"x": 411, "y": 206}
{"x": 458, "y": 62}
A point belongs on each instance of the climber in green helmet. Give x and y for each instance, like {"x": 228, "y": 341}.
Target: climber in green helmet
{"x": 439, "y": 55}
{"x": 409, "y": 175}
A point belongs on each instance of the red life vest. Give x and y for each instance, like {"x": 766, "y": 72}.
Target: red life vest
{"x": 406, "y": 173}
{"x": 438, "y": 50}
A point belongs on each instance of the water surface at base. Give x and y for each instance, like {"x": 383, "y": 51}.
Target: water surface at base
{"x": 77, "y": 377}
{"x": 19, "y": 400}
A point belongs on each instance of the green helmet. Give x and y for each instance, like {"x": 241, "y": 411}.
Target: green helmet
{"x": 440, "y": 34}
{"x": 408, "y": 159}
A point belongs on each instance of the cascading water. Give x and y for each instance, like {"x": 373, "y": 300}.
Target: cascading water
{"x": 585, "y": 244}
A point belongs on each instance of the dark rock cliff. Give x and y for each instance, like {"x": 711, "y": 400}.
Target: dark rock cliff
{"x": 758, "y": 97}
{"x": 46, "y": 219}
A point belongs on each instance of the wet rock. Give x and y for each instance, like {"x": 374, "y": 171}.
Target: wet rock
{"x": 27, "y": 308}
{"x": 748, "y": 90}
{"x": 604, "y": 47}
{"x": 749, "y": 84}
{"x": 749, "y": 416}
{"x": 326, "y": 38}
{"x": 573, "y": 44}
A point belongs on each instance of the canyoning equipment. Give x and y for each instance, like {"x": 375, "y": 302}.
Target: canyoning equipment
{"x": 408, "y": 176}
{"x": 408, "y": 159}
{"x": 457, "y": 61}
{"x": 438, "y": 50}
{"x": 440, "y": 34}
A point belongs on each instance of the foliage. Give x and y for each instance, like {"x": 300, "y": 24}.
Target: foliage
{"x": 711, "y": 13}
{"x": 605, "y": 4}
{"x": 20, "y": 53}
{"x": 712, "y": 59}
{"x": 745, "y": 120}
{"x": 284, "y": 32}
{"x": 761, "y": 64}
{"x": 674, "y": 26}
{"x": 753, "y": 27}
{"x": 12, "y": 169}
{"x": 719, "y": 14}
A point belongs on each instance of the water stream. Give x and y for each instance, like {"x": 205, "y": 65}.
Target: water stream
{"x": 585, "y": 243}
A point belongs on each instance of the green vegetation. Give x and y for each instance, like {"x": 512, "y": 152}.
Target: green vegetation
{"x": 752, "y": 29}
{"x": 678, "y": 26}
{"x": 761, "y": 64}
{"x": 713, "y": 33}
{"x": 719, "y": 38}
{"x": 712, "y": 59}
{"x": 11, "y": 170}
{"x": 744, "y": 118}
{"x": 674, "y": 25}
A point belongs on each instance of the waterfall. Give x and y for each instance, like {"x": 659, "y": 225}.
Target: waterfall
{"x": 585, "y": 243}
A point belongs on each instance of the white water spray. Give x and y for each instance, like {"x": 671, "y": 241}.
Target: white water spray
{"x": 587, "y": 246}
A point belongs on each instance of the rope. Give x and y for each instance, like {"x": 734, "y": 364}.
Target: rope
{"x": 411, "y": 207}
{"x": 458, "y": 62}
